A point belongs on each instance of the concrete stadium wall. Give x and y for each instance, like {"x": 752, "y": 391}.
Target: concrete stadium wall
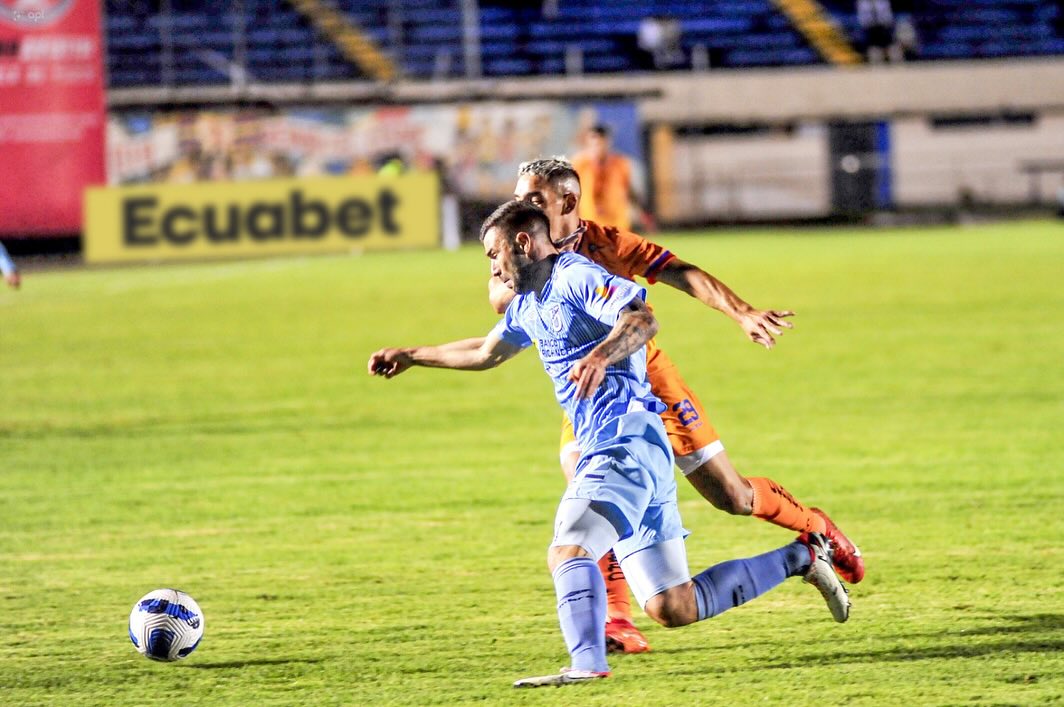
{"x": 934, "y": 166}
{"x": 775, "y": 175}
{"x": 713, "y": 96}
{"x": 859, "y": 92}
{"x": 787, "y": 173}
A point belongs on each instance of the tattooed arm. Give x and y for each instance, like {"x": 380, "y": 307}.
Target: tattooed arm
{"x": 635, "y": 326}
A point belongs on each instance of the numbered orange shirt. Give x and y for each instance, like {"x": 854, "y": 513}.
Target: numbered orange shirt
{"x": 604, "y": 189}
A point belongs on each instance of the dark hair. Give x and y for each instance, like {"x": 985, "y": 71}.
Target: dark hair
{"x": 601, "y": 129}
{"x": 553, "y": 170}
{"x": 516, "y": 216}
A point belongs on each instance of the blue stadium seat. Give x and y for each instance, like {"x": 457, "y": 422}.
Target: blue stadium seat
{"x": 518, "y": 40}
{"x": 507, "y": 67}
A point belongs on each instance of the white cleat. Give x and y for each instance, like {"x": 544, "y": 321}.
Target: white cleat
{"x": 822, "y": 575}
{"x": 568, "y": 676}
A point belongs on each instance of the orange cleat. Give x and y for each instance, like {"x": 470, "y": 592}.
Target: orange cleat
{"x": 623, "y": 637}
{"x": 846, "y": 557}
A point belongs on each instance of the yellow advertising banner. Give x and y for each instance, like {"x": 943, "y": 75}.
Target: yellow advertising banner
{"x": 240, "y": 219}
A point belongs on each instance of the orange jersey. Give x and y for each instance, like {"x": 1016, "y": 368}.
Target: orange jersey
{"x": 622, "y": 252}
{"x": 605, "y": 187}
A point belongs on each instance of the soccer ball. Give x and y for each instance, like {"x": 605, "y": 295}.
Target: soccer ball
{"x": 166, "y": 625}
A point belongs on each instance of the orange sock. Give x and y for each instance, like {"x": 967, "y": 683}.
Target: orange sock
{"x": 775, "y": 504}
{"x": 618, "y": 605}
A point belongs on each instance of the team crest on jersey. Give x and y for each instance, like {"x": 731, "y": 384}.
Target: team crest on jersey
{"x": 34, "y": 13}
{"x": 604, "y": 291}
{"x": 554, "y": 319}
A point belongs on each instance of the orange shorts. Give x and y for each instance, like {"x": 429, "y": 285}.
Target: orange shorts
{"x": 685, "y": 419}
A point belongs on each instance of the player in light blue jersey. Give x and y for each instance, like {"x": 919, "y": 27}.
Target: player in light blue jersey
{"x": 591, "y": 329}
{"x": 575, "y": 310}
{"x": 8, "y": 269}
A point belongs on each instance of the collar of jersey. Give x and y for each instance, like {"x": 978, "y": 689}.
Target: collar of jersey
{"x": 576, "y": 237}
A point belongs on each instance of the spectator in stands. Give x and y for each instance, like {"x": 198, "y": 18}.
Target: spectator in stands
{"x": 906, "y": 41}
{"x": 185, "y": 169}
{"x": 7, "y": 267}
{"x": 390, "y": 164}
{"x": 281, "y": 166}
{"x": 877, "y": 23}
{"x": 659, "y": 40}
{"x": 606, "y": 181}
{"x": 360, "y": 167}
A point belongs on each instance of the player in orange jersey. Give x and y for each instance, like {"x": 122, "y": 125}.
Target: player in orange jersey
{"x": 606, "y": 176}
{"x": 554, "y": 186}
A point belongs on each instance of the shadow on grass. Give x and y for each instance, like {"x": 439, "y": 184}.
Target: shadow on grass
{"x": 1034, "y": 622}
{"x": 904, "y": 654}
{"x": 1033, "y": 633}
{"x": 252, "y": 663}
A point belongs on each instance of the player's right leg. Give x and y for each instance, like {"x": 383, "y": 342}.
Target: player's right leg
{"x": 609, "y": 494}
{"x": 584, "y": 530}
{"x": 622, "y": 636}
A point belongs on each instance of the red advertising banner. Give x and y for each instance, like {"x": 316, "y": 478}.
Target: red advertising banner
{"x": 52, "y": 113}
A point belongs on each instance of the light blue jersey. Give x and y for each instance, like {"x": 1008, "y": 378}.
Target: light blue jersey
{"x": 7, "y": 265}
{"x": 576, "y": 311}
{"x": 625, "y": 466}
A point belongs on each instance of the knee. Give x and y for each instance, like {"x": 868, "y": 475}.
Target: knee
{"x": 560, "y": 553}
{"x": 669, "y": 616}
{"x": 672, "y": 609}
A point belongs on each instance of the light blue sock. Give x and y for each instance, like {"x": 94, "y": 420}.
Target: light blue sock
{"x": 582, "y": 612}
{"x": 729, "y": 584}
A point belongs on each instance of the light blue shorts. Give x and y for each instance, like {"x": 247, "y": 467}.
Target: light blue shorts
{"x": 628, "y": 474}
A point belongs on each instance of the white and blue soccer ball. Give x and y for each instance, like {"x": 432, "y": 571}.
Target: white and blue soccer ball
{"x": 166, "y": 625}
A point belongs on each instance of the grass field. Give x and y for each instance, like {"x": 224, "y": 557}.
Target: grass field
{"x": 357, "y": 541}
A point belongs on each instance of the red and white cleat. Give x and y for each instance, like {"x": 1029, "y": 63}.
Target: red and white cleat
{"x": 623, "y": 637}
{"x": 845, "y": 555}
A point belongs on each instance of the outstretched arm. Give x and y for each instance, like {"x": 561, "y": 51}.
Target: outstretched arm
{"x": 475, "y": 354}
{"x": 635, "y": 326}
{"x": 759, "y": 325}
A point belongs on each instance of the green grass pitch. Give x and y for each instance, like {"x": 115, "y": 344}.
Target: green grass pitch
{"x": 355, "y": 541}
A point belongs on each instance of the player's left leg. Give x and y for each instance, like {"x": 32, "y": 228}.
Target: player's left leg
{"x": 661, "y": 582}
{"x": 722, "y": 485}
{"x": 701, "y": 457}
